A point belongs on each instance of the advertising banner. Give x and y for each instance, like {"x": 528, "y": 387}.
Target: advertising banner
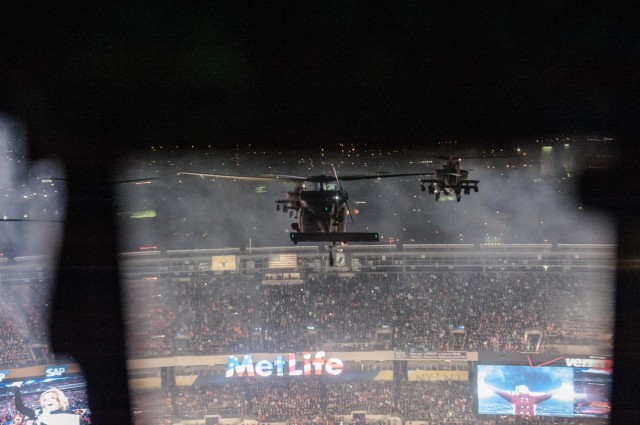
{"x": 223, "y": 262}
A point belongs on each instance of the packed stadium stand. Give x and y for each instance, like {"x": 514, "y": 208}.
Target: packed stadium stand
{"x": 409, "y": 324}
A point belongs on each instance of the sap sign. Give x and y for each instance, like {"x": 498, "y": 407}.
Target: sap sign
{"x": 55, "y": 371}
{"x": 3, "y": 374}
{"x": 311, "y": 366}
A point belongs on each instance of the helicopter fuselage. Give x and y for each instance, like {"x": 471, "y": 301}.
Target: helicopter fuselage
{"x": 320, "y": 211}
{"x": 450, "y": 180}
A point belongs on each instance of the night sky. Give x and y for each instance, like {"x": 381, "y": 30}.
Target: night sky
{"x": 300, "y": 74}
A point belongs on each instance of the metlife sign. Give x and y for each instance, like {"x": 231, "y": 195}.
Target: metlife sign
{"x": 284, "y": 365}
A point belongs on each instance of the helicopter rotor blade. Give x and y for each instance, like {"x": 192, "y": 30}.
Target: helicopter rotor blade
{"x": 335, "y": 173}
{"x": 322, "y": 178}
{"x": 379, "y": 176}
{"x": 29, "y": 220}
{"x": 258, "y": 178}
{"x": 284, "y": 177}
{"x": 349, "y": 212}
{"x": 136, "y": 181}
{"x": 147, "y": 180}
{"x": 346, "y": 203}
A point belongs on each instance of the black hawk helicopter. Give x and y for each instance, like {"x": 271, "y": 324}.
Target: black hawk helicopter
{"x": 321, "y": 212}
{"x": 450, "y": 180}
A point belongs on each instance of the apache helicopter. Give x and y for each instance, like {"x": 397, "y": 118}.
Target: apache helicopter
{"x": 450, "y": 180}
{"x": 321, "y": 213}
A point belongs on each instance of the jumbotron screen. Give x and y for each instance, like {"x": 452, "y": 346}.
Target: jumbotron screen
{"x": 544, "y": 385}
{"x": 55, "y": 396}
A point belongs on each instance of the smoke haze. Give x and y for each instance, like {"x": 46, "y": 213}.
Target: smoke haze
{"x": 27, "y": 195}
{"x": 512, "y": 205}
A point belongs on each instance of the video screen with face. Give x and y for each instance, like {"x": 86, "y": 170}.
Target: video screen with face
{"x": 566, "y": 387}
{"x": 54, "y": 397}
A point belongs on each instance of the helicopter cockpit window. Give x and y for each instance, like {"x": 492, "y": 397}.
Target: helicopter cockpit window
{"x": 214, "y": 282}
{"x": 514, "y": 264}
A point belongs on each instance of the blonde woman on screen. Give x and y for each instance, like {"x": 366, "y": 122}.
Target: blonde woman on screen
{"x": 53, "y": 410}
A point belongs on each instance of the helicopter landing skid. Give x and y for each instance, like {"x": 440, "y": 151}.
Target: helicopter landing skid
{"x": 334, "y": 237}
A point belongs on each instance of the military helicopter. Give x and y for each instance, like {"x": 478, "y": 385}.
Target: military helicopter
{"x": 450, "y": 180}
{"x": 320, "y": 213}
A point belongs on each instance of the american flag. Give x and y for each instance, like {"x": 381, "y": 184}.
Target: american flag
{"x": 283, "y": 261}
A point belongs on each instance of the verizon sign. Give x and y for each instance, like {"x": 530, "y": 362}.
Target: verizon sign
{"x": 592, "y": 363}
{"x": 284, "y": 365}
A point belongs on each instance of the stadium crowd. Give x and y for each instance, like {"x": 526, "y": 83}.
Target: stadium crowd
{"x": 232, "y": 314}
{"x": 311, "y": 401}
{"x": 23, "y": 323}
